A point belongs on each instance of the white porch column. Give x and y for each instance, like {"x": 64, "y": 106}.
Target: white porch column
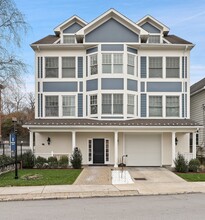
{"x": 116, "y": 148}
{"x": 173, "y": 148}
{"x": 31, "y": 140}
{"x": 194, "y": 144}
{"x": 73, "y": 140}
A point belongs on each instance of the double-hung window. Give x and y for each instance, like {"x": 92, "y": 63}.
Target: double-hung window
{"x": 154, "y": 39}
{"x": 112, "y": 104}
{"x": 172, "y": 67}
{"x": 172, "y": 106}
{"x": 130, "y": 64}
{"x": 155, "y": 106}
{"x": 130, "y": 104}
{"x": 68, "y": 67}
{"x": 106, "y": 103}
{"x": 112, "y": 63}
{"x": 93, "y": 64}
{"x": 155, "y": 67}
{"x": 93, "y": 104}
{"x": 51, "y": 67}
{"x": 68, "y": 105}
{"x": 51, "y": 106}
{"x": 68, "y": 39}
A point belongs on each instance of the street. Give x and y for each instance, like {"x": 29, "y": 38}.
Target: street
{"x": 186, "y": 206}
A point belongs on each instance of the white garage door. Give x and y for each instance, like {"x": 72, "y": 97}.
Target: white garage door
{"x": 143, "y": 149}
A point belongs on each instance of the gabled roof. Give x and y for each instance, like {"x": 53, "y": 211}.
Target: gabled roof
{"x": 198, "y": 87}
{"x": 69, "y": 22}
{"x": 176, "y": 40}
{"x": 111, "y": 13}
{"x": 155, "y": 22}
{"x": 50, "y": 39}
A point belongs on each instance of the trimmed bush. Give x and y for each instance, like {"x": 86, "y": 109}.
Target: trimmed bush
{"x": 52, "y": 162}
{"x": 41, "y": 160}
{"x": 181, "y": 165}
{"x": 76, "y": 159}
{"x": 63, "y": 162}
{"x": 194, "y": 165}
{"x": 5, "y": 160}
{"x": 28, "y": 160}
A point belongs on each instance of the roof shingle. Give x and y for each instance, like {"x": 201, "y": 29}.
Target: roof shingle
{"x": 176, "y": 40}
{"x": 197, "y": 86}
{"x": 50, "y": 39}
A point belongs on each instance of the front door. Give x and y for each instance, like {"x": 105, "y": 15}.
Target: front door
{"x": 98, "y": 151}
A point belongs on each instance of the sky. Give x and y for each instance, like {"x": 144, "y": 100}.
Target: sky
{"x": 185, "y": 18}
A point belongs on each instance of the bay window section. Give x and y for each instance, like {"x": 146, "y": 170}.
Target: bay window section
{"x": 106, "y": 63}
{"x": 51, "y": 106}
{"x": 106, "y": 104}
{"x": 112, "y": 63}
{"x": 51, "y": 67}
{"x": 117, "y": 103}
{"x": 117, "y": 63}
{"x": 68, "y": 67}
{"x": 130, "y": 104}
{"x": 93, "y": 104}
{"x": 93, "y": 64}
{"x": 155, "y": 67}
{"x": 112, "y": 104}
{"x": 172, "y": 67}
{"x": 130, "y": 64}
{"x": 68, "y": 105}
{"x": 172, "y": 106}
{"x": 155, "y": 106}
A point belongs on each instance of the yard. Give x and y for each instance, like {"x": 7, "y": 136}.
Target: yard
{"x": 39, "y": 177}
{"x": 192, "y": 177}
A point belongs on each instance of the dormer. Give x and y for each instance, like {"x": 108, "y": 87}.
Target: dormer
{"x": 67, "y": 30}
{"x": 156, "y": 29}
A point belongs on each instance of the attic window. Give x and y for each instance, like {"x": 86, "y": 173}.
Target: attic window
{"x": 154, "y": 39}
{"x": 68, "y": 39}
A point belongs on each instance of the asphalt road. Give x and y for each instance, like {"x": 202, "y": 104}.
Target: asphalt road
{"x": 173, "y": 207}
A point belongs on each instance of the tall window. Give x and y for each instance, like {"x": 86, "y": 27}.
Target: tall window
{"x": 155, "y": 67}
{"x": 172, "y": 67}
{"x": 93, "y": 104}
{"x": 51, "y": 106}
{"x": 51, "y": 67}
{"x": 130, "y": 104}
{"x": 112, "y": 63}
{"x": 93, "y": 64}
{"x": 172, "y": 106}
{"x": 68, "y": 105}
{"x": 68, "y": 67}
{"x": 68, "y": 39}
{"x": 155, "y": 106}
{"x": 130, "y": 64}
{"x": 112, "y": 104}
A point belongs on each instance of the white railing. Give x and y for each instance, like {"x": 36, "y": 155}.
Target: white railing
{"x": 187, "y": 156}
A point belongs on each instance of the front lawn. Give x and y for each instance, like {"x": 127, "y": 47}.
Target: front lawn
{"x": 38, "y": 177}
{"x": 192, "y": 177}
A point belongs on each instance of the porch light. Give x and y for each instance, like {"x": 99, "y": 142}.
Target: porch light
{"x": 176, "y": 140}
{"x": 49, "y": 140}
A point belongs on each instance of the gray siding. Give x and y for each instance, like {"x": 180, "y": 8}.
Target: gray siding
{"x": 150, "y": 28}
{"x": 112, "y": 31}
{"x": 143, "y": 67}
{"x": 92, "y": 85}
{"x": 114, "y": 84}
{"x": 80, "y": 105}
{"x": 131, "y": 50}
{"x": 142, "y": 86}
{"x": 164, "y": 87}
{"x": 92, "y": 50}
{"x": 132, "y": 85}
{"x": 60, "y": 87}
{"x": 143, "y": 105}
{"x": 112, "y": 47}
{"x": 80, "y": 67}
{"x": 72, "y": 29}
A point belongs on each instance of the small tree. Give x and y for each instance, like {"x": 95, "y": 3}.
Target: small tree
{"x": 181, "y": 165}
{"x": 194, "y": 165}
{"x": 76, "y": 159}
{"x": 28, "y": 159}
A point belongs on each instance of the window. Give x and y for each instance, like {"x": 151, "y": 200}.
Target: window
{"x": 68, "y": 67}
{"x": 155, "y": 67}
{"x": 51, "y": 105}
{"x": 155, "y": 106}
{"x": 107, "y": 155}
{"x": 68, "y": 39}
{"x": 93, "y": 64}
{"x": 130, "y": 104}
{"x": 130, "y": 64}
{"x": 172, "y": 106}
{"x": 93, "y": 104}
{"x": 112, "y": 104}
{"x": 112, "y": 63}
{"x": 154, "y": 39}
{"x": 69, "y": 105}
{"x": 51, "y": 67}
{"x": 172, "y": 67}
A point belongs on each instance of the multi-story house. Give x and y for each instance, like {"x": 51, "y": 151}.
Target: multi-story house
{"x": 113, "y": 87}
{"x": 197, "y": 110}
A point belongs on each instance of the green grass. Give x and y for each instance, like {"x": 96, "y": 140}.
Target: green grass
{"x": 192, "y": 177}
{"x": 44, "y": 177}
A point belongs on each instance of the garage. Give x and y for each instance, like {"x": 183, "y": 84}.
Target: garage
{"x": 143, "y": 149}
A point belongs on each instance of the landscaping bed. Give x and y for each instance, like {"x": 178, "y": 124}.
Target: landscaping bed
{"x": 39, "y": 177}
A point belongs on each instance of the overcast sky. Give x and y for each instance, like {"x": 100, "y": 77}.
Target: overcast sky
{"x": 185, "y": 18}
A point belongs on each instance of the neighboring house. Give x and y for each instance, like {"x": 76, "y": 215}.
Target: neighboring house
{"x": 113, "y": 87}
{"x": 197, "y": 109}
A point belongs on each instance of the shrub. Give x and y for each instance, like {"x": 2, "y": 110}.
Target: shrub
{"x": 52, "y": 162}
{"x": 181, "y": 165}
{"x": 76, "y": 158}
{"x": 5, "y": 160}
{"x": 63, "y": 162}
{"x": 41, "y": 160}
{"x": 28, "y": 159}
{"x": 194, "y": 165}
